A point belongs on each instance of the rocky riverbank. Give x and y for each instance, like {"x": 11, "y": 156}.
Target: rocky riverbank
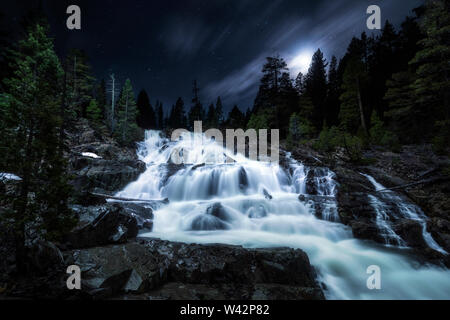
{"x": 410, "y": 165}
{"x": 116, "y": 264}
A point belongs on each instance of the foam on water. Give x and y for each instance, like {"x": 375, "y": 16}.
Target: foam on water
{"x": 256, "y": 204}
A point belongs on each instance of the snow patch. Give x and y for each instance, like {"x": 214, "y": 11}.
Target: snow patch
{"x": 9, "y": 176}
{"x": 90, "y": 155}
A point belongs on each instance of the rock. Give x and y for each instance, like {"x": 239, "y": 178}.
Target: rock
{"x": 267, "y": 195}
{"x": 44, "y": 255}
{"x": 141, "y": 211}
{"x": 311, "y": 187}
{"x": 301, "y": 198}
{"x": 87, "y": 199}
{"x": 108, "y": 175}
{"x": 215, "y": 218}
{"x": 240, "y": 273}
{"x": 366, "y": 230}
{"x": 243, "y": 179}
{"x": 440, "y": 230}
{"x": 130, "y": 267}
{"x": 411, "y": 232}
{"x": 101, "y": 225}
{"x": 148, "y": 225}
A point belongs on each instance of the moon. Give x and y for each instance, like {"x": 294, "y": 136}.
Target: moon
{"x": 301, "y": 62}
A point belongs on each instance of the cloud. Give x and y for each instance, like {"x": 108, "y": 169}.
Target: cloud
{"x": 240, "y": 85}
{"x": 185, "y": 36}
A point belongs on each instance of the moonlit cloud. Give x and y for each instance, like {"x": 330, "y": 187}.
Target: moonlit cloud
{"x": 164, "y": 45}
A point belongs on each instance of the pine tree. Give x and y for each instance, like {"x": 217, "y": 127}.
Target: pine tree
{"x": 127, "y": 129}
{"x": 299, "y": 83}
{"x": 316, "y": 88}
{"x": 269, "y": 87}
{"x": 236, "y": 119}
{"x": 333, "y": 92}
{"x": 30, "y": 143}
{"x": 219, "y": 112}
{"x": 80, "y": 82}
{"x": 93, "y": 112}
{"x": 352, "y": 113}
{"x": 160, "y": 115}
{"x": 211, "y": 117}
{"x": 432, "y": 86}
{"x": 102, "y": 99}
{"x": 146, "y": 115}
{"x": 196, "y": 113}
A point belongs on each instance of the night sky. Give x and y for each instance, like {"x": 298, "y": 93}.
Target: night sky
{"x": 162, "y": 46}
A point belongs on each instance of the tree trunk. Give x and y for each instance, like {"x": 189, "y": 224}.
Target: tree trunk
{"x": 361, "y": 108}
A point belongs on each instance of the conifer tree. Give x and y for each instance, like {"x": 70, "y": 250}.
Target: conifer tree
{"x": 316, "y": 87}
{"x": 432, "y": 85}
{"x": 333, "y": 93}
{"x": 127, "y": 129}
{"x": 146, "y": 115}
{"x": 219, "y": 112}
{"x": 102, "y": 99}
{"x": 211, "y": 120}
{"x": 352, "y": 114}
{"x": 80, "y": 82}
{"x": 31, "y": 122}
{"x": 160, "y": 115}
{"x": 196, "y": 113}
{"x": 93, "y": 112}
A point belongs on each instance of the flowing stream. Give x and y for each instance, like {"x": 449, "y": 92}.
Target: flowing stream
{"x": 257, "y": 204}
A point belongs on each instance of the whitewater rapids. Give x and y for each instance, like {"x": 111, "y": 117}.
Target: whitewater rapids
{"x": 257, "y": 205}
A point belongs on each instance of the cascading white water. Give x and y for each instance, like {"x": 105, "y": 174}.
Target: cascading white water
{"x": 406, "y": 210}
{"x": 257, "y": 204}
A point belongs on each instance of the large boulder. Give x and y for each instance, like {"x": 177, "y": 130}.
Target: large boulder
{"x": 44, "y": 255}
{"x": 240, "y": 273}
{"x": 366, "y": 230}
{"x": 411, "y": 232}
{"x": 215, "y": 218}
{"x": 143, "y": 212}
{"x": 440, "y": 230}
{"x": 108, "y": 175}
{"x": 101, "y": 225}
{"x": 126, "y": 268}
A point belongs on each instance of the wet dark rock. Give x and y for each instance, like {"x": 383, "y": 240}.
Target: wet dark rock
{"x": 130, "y": 267}
{"x": 440, "y": 230}
{"x": 101, "y": 225}
{"x": 147, "y": 225}
{"x": 366, "y": 230}
{"x": 411, "y": 232}
{"x": 44, "y": 255}
{"x": 302, "y": 198}
{"x": 215, "y": 218}
{"x": 240, "y": 273}
{"x": 141, "y": 211}
{"x": 243, "y": 179}
{"x": 311, "y": 187}
{"x": 267, "y": 195}
{"x": 218, "y": 211}
{"x": 108, "y": 175}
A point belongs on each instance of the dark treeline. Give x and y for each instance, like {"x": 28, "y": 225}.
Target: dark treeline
{"x": 389, "y": 89}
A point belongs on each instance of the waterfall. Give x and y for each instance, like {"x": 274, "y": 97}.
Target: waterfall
{"x": 404, "y": 208}
{"x": 257, "y": 204}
